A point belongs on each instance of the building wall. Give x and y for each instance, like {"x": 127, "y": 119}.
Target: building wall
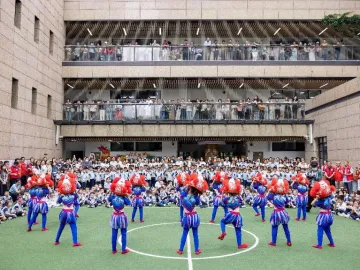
{"x": 76, "y": 10}
{"x": 23, "y": 133}
{"x": 266, "y": 148}
{"x": 340, "y": 123}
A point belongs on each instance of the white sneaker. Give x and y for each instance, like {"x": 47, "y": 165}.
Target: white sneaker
{"x": 347, "y": 216}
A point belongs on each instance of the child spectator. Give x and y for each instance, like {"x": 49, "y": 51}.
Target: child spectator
{"x": 7, "y": 209}
{"x": 17, "y": 208}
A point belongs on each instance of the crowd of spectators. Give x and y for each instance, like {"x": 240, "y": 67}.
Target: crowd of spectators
{"x": 159, "y": 109}
{"x": 210, "y": 50}
{"x": 94, "y": 178}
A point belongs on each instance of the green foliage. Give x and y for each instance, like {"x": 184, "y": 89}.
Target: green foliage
{"x": 344, "y": 23}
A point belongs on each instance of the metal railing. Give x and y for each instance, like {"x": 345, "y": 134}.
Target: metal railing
{"x": 190, "y": 111}
{"x": 214, "y": 52}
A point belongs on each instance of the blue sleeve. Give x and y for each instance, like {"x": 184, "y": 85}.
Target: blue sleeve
{"x": 295, "y": 185}
{"x": 126, "y": 201}
{"x": 111, "y": 197}
{"x": 271, "y": 196}
{"x": 225, "y": 200}
{"x": 240, "y": 199}
{"x": 59, "y": 200}
{"x": 197, "y": 200}
{"x": 287, "y": 200}
{"x": 143, "y": 189}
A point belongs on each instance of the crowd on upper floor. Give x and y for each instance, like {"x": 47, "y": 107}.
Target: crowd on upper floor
{"x": 210, "y": 50}
{"x": 153, "y": 109}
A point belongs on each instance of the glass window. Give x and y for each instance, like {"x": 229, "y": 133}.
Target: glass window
{"x": 122, "y": 146}
{"x": 288, "y": 146}
{"x": 149, "y": 146}
{"x": 322, "y": 149}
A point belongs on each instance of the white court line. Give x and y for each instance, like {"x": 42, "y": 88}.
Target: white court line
{"x": 189, "y": 252}
{"x": 182, "y": 258}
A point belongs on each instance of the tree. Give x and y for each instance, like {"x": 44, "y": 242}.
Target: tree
{"x": 344, "y": 23}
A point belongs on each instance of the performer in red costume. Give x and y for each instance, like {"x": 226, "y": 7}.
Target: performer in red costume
{"x": 138, "y": 183}
{"x": 217, "y": 184}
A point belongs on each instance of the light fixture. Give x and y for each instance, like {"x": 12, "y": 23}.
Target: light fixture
{"x": 323, "y": 31}
{"x": 239, "y": 31}
{"x": 199, "y": 84}
{"x": 160, "y": 31}
{"x": 110, "y": 140}
{"x": 286, "y": 85}
{"x": 197, "y": 32}
{"x": 154, "y": 85}
{"x": 241, "y": 85}
{"x": 358, "y": 34}
{"x": 73, "y": 140}
{"x": 277, "y": 31}
{"x": 112, "y": 85}
{"x": 89, "y": 31}
{"x": 302, "y": 92}
{"x": 324, "y": 85}
{"x": 124, "y": 32}
{"x": 70, "y": 86}
{"x": 311, "y": 97}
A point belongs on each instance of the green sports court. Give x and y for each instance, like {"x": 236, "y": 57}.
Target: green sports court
{"x": 154, "y": 243}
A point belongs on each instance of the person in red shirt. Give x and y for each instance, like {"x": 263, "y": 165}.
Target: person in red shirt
{"x": 329, "y": 171}
{"x": 339, "y": 175}
{"x": 348, "y": 176}
{"x": 15, "y": 172}
{"x": 29, "y": 168}
{"x": 23, "y": 171}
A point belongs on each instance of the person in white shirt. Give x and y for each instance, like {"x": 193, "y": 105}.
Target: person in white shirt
{"x": 207, "y": 49}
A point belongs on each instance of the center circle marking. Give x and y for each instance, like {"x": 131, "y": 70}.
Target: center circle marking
{"x": 185, "y": 258}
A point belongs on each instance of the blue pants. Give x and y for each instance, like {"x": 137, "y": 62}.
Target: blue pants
{"x": 320, "y": 233}
{"x": 226, "y": 210}
{"x": 274, "y": 232}
{"x": 183, "y": 239}
{"x": 303, "y": 209}
{"x": 262, "y": 209}
{"x": 237, "y": 231}
{"x": 73, "y": 232}
{"x": 114, "y": 236}
{"x": 141, "y": 210}
{"x": 181, "y": 212}
{"x": 33, "y": 220}
{"x": 30, "y": 214}
{"x": 77, "y": 207}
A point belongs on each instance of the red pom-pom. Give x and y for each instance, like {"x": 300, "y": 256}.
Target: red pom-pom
{"x": 138, "y": 180}
{"x": 182, "y": 178}
{"x": 232, "y": 186}
{"x": 120, "y": 187}
{"x": 323, "y": 189}
{"x": 198, "y": 182}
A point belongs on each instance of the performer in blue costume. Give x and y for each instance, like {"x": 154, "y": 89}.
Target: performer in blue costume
{"x": 67, "y": 189}
{"x": 301, "y": 184}
{"x": 181, "y": 178}
{"x": 232, "y": 189}
{"x": 259, "y": 184}
{"x": 76, "y": 202}
{"x": 278, "y": 189}
{"x": 31, "y": 202}
{"x": 191, "y": 220}
{"x": 218, "y": 179}
{"x": 323, "y": 193}
{"x": 42, "y": 184}
{"x": 138, "y": 183}
{"x": 120, "y": 189}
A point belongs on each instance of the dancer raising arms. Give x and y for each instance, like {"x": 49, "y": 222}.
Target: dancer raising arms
{"x": 217, "y": 183}
{"x": 259, "y": 184}
{"x": 322, "y": 192}
{"x": 181, "y": 178}
{"x": 121, "y": 189}
{"x": 232, "y": 189}
{"x": 67, "y": 189}
{"x": 278, "y": 188}
{"x": 191, "y": 220}
{"x": 301, "y": 184}
{"x": 138, "y": 183}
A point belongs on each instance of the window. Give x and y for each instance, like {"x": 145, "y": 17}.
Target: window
{"x": 49, "y": 107}
{"x": 288, "y": 146}
{"x": 33, "y": 100}
{"x": 17, "y": 17}
{"x": 51, "y": 42}
{"x": 149, "y": 146}
{"x": 122, "y": 146}
{"x": 36, "y": 29}
{"x": 14, "y": 93}
{"x": 322, "y": 149}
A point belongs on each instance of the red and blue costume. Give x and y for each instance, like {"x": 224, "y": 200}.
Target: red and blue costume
{"x": 191, "y": 220}
{"x": 41, "y": 183}
{"x": 322, "y": 191}
{"x": 233, "y": 200}
{"x": 259, "y": 184}
{"x": 120, "y": 189}
{"x": 138, "y": 183}
{"x": 301, "y": 184}
{"x": 278, "y": 188}
{"x": 67, "y": 189}
{"x": 31, "y": 202}
{"x": 217, "y": 184}
{"x": 181, "y": 178}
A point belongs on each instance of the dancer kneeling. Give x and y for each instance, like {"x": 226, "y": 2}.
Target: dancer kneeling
{"x": 278, "y": 188}
{"x": 120, "y": 189}
{"x": 67, "y": 189}
{"x": 196, "y": 186}
{"x": 322, "y": 192}
{"x": 232, "y": 189}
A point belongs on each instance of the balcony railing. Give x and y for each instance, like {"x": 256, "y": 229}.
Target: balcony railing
{"x": 214, "y": 52}
{"x": 185, "y": 111}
